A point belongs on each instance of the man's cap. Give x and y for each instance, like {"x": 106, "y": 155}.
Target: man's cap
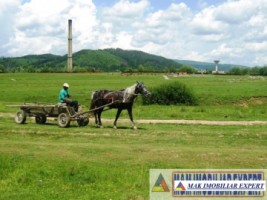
{"x": 66, "y": 85}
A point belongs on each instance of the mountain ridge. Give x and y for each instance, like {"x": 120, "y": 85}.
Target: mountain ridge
{"x": 109, "y": 59}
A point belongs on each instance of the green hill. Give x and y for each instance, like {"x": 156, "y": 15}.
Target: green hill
{"x": 136, "y": 58}
{"x": 30, "y": 60}
{"x": 104, "y": 60}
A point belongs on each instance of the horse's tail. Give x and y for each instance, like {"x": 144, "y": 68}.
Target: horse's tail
{"x": 92, "y": 105}
{"x": 92, "y": 95}
{"x": 97, "y": 98}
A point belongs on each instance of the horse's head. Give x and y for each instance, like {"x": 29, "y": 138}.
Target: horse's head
{"x": 141, "y": 89}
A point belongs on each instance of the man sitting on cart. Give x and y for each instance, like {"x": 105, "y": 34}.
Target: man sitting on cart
{"x": 64, "y": 97}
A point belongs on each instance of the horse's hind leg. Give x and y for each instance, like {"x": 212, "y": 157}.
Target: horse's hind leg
{"x": 99, "y": 123}
{"x": 96, "y": 119}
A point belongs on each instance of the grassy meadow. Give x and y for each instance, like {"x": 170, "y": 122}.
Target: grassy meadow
{"x": 219, "y": 97}
{"x": 48, "y": 162}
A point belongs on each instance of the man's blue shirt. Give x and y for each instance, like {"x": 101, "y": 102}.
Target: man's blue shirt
{"x": 63, "y": 94}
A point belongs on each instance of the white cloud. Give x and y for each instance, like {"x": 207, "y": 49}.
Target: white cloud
{"x": 125, "y": 10}
{"x": 204, "y": 23}
{"x": 116, "y": 26}
{"x": 236, "y": 28}
{"x": 258, "y": 20}
{"x": 257, "y": 47}
{"x": 225, "y": 50}
{"x": 260, "y": 58}
{"x": 176, "y": 12}
{"x": 7, "y": 19}
{"x": 236, "y": 12}
{"x": 41, "y": 26}
{"x": 202, "y": 4}
{"x": 234, "y": 31}
{"x": 163, "y": 29}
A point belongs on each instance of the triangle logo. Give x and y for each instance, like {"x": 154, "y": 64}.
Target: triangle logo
{"x": 180, "y": 187}
{"x": 160, "y": 185}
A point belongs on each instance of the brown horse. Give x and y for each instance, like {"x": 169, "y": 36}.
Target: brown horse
{"x": 121, "y": 99}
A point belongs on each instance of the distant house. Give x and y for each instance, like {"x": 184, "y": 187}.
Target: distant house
{"x": 182, "y": 73}
{"x": 218, "y": 72}
{"x": 202, "y": 71}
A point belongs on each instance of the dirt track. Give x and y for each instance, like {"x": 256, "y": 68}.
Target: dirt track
{"x": 194, "y": 122}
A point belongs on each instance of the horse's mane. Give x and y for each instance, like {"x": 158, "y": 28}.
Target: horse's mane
{"x": 131, "y": 89}
{"x": 128, "y": 92}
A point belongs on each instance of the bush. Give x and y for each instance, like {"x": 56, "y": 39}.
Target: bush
{"x": 174, "y": 93}
{"x": 2, "y": 69}
{"x": 187, "y": 69}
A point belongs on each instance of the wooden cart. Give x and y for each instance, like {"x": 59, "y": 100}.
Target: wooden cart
{"x": 64, "y": 114}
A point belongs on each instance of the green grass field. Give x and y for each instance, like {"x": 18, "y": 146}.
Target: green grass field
{"x": 219, "y": 97}
{"x": 48, "y": 162}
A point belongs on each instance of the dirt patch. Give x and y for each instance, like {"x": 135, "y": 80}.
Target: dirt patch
{"x": 245, "y": 102}
{"x": 194, "y": 122}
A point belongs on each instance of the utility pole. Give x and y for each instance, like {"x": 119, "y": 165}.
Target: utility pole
{"x": 69, "y": 69}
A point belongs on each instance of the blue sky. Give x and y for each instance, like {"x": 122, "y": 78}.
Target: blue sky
{"x": 232, "y": 31}
{"x": 163, "y": 4}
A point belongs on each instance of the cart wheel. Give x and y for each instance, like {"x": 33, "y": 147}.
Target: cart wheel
{"x": 40, "y": 119}
{"x": 83, "y": 121}
{"x": 20, "y": 117}
{"x": 63, "y": 120}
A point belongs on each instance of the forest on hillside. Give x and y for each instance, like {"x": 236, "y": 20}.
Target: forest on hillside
{"x": 108, "y": 60}
{"x": 118, "y": 60}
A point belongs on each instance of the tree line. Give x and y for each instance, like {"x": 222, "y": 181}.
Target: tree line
{"x": 78, "y": 69}
{"x": 254, "y": 71}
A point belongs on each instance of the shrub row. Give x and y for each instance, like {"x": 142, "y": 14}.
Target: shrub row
{"x": 174, "y": 93}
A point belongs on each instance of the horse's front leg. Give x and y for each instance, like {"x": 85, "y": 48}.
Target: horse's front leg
{"x": 130, "y": 112}
{"x": 99, "y": 118}
{"x": 96, "y": 117}
{"x": 117, "y": 117}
